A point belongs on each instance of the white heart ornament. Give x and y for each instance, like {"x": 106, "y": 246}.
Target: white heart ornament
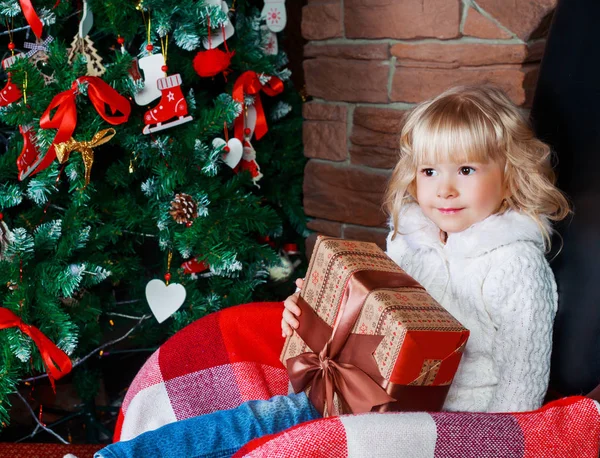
{"x": 164, "y": 300}
{"x": 236, "y": 150}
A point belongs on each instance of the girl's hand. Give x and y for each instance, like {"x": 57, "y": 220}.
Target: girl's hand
{"x": 290, "y": 312}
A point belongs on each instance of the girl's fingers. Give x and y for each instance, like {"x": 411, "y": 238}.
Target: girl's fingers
{"x": 290, "y": 319}
{"x": 290, "y": 304}
{"x": 299, "y": 282}
{"x": 285, "y": 329}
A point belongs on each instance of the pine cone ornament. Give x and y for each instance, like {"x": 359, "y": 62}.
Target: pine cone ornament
{"x": 183, "y": 209}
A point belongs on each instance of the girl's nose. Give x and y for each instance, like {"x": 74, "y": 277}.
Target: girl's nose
{"x": 446, "y": 190}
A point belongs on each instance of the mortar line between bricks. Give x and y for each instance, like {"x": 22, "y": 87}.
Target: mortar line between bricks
{"x": 463, "y": 19}
{"x": 348, "y": 165}
{"x": 420, "y": 41}
{"x": 494, "y": 21}
{"x": 391, "y": 74}
{"x": 392, "y": 105}
{"x": 349, "y": 124}
{"x": 342, "y": 18}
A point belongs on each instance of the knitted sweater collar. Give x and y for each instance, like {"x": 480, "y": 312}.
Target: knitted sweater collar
{"x": 482, "y": 237}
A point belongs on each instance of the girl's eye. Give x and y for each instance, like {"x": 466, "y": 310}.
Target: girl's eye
{"x": 466, "y": 170}
{"x": 428, "y": 172}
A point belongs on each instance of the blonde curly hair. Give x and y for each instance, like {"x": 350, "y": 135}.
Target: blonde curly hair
{"x": 478, "y": 124}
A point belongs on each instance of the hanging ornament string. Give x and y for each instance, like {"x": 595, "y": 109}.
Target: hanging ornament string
{"x": 168, "y": 274}
{"x": 209, "y": 35}
{"x": 11, "y": 44}
{"x": 148, "y": 24}
{"x": 25, "y": 89}
{"x": 164, "y": 47}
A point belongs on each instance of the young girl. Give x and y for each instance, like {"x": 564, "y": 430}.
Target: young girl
{"x": 471, "y": 200}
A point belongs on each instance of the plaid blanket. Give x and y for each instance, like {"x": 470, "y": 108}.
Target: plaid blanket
{"x": 566, "y": 428}
{"x": 215, "y": 363}
{"x": 232, "y": 356}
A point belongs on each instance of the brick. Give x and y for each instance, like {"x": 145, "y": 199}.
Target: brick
{"x": 418, "y": 84}
{"x": 379, "y": 119}
{"x": 477, "y": 25}
{"x": 374, "y": 156}
{"x": 376, "y": 136}
{"x": 521, "y": 17}
{"x": 316, "y": 111}
{"x": 345, "y": 194}
{"x": 321, "y": 21}
{"x": 454, "y": 55}
{"x": 366, "y": 234}
{"x": 367, "y": 137}
{"x": 382, "y": 120}
{"x": 401, "y": 19}
{"x": 347, "y": 80}
{"x": 322, "y": 226}
{"x": 325, "y": 140}
{"x": 379, "y": 51}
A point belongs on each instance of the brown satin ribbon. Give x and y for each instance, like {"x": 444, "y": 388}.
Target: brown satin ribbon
{"x": 342, "y": 362}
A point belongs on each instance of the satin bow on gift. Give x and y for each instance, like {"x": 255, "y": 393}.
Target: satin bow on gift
{"x": 249, "y": 83}
{"x": 343, "y": 362}
{"x": 64, "y": 149}
{"x": 55, "y": 360}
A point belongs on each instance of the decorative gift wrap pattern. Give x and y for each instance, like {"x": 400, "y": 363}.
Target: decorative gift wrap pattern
{"x": 420, "y": 343}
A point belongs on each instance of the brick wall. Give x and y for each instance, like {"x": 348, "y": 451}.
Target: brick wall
{"x": 367, "y": 61}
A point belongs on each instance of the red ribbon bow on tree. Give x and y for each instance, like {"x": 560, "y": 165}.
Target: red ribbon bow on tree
{"x": 65, "y": 117}
{"x": 32, "y": 18}
{"x": 55, "y": 360}
{"x": 249, "y": 83}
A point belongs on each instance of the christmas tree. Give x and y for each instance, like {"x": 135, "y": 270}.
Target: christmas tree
{"x": 152, "y": 175}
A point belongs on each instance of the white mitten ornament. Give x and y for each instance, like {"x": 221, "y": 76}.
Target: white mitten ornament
{"x": 220, "y": 34}
{"x": 275, "y": 15}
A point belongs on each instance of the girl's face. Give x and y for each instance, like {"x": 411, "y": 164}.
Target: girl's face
{"x": 457, "y": 195}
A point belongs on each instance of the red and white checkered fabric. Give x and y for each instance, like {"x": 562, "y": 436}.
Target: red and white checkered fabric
{"x": 215, "y": 363}
{"x": 232, "y": 356}
{"x": 566, "y": 428}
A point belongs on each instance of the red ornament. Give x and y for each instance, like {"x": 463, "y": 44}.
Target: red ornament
{"x": 30, "y": 156}
{"x": 149, "y": 47}
{"x": 172, "y": 108}
{"x": 193, "y": 266}
{"x": 212, "y": 62}
{"x": 164, "y": 68}
{"x": 247, "y": 131}
{"x": 121, "y": 40}
{"x": 11, "y": 46}
{"x": 167, "y": 277}
{"x": 290, "y": 248}
{"x": 10, "y": 93}
{"x": 226, "y": 148}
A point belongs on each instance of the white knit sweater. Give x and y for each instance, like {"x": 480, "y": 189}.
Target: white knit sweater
{"x": 493, "y": 278}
